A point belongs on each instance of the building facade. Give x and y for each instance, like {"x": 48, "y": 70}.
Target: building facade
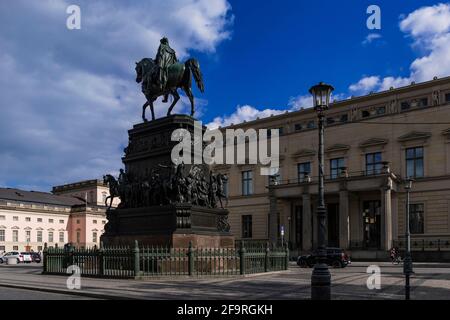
{"x": 29, "y": 219}
{"x": 371, "y": 144}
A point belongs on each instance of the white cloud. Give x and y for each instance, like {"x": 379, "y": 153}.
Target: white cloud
{"x": 371, "y": 37}
{"x": 366, "y": 84}
{"x": 242, "y": 113}
{"x": 429, "y": 29}
{"x": 69, "y": 97}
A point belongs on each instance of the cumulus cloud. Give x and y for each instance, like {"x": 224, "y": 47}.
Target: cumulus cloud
{"x": 429, "y": 29}
{"x": 242, "y": 113}
{"x": 69, "y": 96}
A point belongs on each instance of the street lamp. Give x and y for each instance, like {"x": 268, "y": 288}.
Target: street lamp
{"x": 321, "y": 277}
{"x": 407, "y": 263}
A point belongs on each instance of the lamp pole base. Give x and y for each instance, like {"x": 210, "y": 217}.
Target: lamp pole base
{"x": 321, "y": 282}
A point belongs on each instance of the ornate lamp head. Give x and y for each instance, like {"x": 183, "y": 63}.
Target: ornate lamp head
{"x": 321, "y": 95}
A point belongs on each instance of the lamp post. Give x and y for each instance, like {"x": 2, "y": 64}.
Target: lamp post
{"x": 407, "y": 263}
{"x": 321, "y": 277}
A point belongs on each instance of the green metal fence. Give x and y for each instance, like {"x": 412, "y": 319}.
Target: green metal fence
{"x": 151, "y": 261}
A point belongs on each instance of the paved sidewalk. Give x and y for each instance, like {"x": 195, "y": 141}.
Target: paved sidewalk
{"x": 431, "y": 281}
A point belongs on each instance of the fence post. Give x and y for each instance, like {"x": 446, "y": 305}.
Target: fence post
{"x": 191, "y": 259}
{"x": 44, "y": 258}
{"x": 101, "y": 266}
{"x": 242, "y": 258}
{"x": 287, "y": 258}
{"x": 137, "y": 266}
{"x": 267, "y": 259}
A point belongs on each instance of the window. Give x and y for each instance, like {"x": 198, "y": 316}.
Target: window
{"x": 50, "y": 236}
{"x": 2, "y": 217}
{"x": 94, "y": 221}
{"x": 344, "y": 118}
{"x": 28, "y": 235}
{"x": 2, "y": 235}
{"x": 39, "y": 236}
{"x": 311, "y": 124}
{"x": 78, "y": 221}
{"x": 225, "y": 191}
{"x": 335, "y": 167}
{"x": 15, "y": 218}
{"x": 247, "y": 183}
{"x": 61, "y": 236}
{"x": 416, "y": 218}
{"x": 298, "y": 127}
{"x": 303, "y": 170}
{"x": 405, "y": 105}
{"x": 50, "y": 220}
{"x": 91, "y": 196}
{"x": 414, "y": 162}
{"x": 365, "y": 114}
{"x": 330, "y": 120}
{"x": 94, "y": 237}
{"x": 104, "y": 221}
{"x": 15, "y": 235}
{"x": 39, "y": 219}
{"x": 104, "y": 195}
{"x": 247, "y": 226}
{"x": 61, "y": 221}
{"x": 78, "y": 236}
{"x": 2, "y": 248}
{"x": 447, "y": 97}
{"x": 15, "y": 247}
{"x": 381, "y": 110}
{"x": 27, "y": 219}
{"x": 373, "y": 163}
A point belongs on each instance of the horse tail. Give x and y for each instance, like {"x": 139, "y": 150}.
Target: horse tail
{"x": 194, "y": 66}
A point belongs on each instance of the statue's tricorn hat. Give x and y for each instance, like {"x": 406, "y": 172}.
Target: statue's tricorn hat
{"x": 164, "y": 40}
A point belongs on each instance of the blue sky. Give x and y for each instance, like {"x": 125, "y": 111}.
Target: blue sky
{"x": 69, "y": 96}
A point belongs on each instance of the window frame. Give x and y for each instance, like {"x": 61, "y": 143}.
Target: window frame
{"x": 414, "y": 211}
{"x": 301, "y": 173}
{"x": 415, "y": 159}
{"x": 334, "y": 171}
{"x": 247, "y": 182}
{"x": 375, "y": 165}
{"x": 247, "y": 226}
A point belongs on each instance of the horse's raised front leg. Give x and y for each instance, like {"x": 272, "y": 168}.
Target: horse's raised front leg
{"x": 176, "y": 97}
{"x": 153, "y": 111}
{"x": 191, "y": 98}
{"x": 143, "y": 111}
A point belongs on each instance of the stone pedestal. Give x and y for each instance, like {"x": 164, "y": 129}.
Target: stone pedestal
{"x": 170, "y": 225}
{"x": 165, "y": 204}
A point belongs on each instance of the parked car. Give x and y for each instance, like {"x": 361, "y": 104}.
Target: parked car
{"x": 36, "y": 257}
{"x": 336, "y": 257}
{"x": 26, "y": 257}
{"x": 11, "y": 254}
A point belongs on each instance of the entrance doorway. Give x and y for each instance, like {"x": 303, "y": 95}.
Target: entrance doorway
{"x": 333, "y": 224}
{"x": 372, "y": 223}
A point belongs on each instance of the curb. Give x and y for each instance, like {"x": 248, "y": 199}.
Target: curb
{"x": 69, "y": 292}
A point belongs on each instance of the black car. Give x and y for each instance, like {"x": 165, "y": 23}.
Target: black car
{"x": 36, "y": 257}
{"x": 336, "y": 257}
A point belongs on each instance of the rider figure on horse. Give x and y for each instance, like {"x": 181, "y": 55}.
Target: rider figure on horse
{"x": 165, "y": 57}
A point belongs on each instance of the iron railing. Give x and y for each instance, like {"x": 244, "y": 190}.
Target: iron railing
{"x": 151, "y": 261}
{"x": 424, "y": 244}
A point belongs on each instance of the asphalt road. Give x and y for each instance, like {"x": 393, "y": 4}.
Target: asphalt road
{"x": 21, "y": 294}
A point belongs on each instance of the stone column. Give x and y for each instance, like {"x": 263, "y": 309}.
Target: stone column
{"x": 386, "y": 215}
{"x": 343, "y": 219}
{"x": 273, "y": 213}
{"x": 306, "y": 222}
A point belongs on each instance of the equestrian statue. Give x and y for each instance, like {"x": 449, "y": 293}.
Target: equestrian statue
{"x": 164, "y": 75}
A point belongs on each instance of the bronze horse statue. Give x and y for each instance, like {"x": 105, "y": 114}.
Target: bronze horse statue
{"x": 113, "y": 185}
{"x": 179, "y": 76}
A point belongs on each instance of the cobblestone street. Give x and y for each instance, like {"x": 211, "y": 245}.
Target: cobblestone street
{"x": 431, "y": 281}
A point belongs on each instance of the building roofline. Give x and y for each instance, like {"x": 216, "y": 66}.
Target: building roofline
{"x": 352, "y": 100}
{"x": 78, "y": 185}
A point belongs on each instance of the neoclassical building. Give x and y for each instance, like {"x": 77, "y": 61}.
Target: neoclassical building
{"x": 71, "y": 213}
{"x": 372, "y": 143}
